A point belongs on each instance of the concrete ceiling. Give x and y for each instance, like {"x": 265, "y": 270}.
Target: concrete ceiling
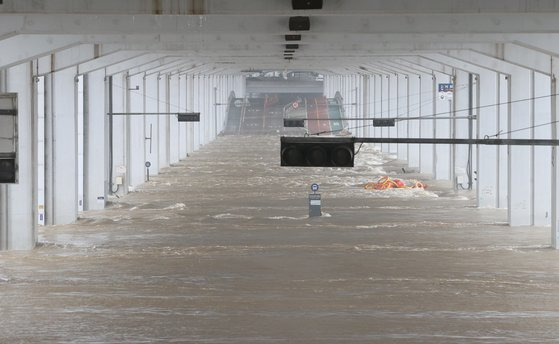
{"x": 236, "y": 35}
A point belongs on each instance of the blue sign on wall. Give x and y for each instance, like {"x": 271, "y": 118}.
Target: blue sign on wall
{"x": 446, "y": 87}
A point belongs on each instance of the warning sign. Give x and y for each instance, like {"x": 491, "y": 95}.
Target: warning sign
{"x": 446, "y": 91}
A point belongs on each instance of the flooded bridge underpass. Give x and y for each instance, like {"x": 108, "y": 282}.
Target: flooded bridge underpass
{"x": 219, "y": 249}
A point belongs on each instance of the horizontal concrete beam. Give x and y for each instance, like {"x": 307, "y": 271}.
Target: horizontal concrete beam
{"x": 474, "y": 23}
{"x": 275, "y": 7}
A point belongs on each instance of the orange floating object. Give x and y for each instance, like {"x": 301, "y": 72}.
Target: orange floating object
{"x": 386, "y": 182}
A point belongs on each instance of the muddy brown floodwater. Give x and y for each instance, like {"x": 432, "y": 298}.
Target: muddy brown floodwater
{"x": 219, "y": 249}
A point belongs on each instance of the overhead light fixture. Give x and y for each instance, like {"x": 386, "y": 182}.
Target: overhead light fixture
{"x": 299, "y": 23}
{"x": 289, "y": 51}
{"x": 292, "y": 37}
{"x": 291, "y": 46}
{"x": 288, "y": 57}
{"x": 306, "y": 4}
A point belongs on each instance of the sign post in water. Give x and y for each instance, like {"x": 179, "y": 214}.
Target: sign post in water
{"x": 314, "y": 202}
{"x": 148, "y": 165}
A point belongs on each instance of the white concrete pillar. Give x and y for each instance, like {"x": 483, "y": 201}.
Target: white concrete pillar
{"x": 427, "y": 130}
{"x": 119, "y": 135}
{"x": 198, "y": 103}
{"x": 554, "y": 155}
{"x": 214, "y": 107}
{"x": 163, "y": 121}
{"x": 242, "y": 83}
{"x": 206, "y": 123}
{"x": 442, "y": 130}
{"x": 541, "y": 192}
{"x": 151, "y": 145}
{"x": 209, "y": 108}
{"x": 385, "y": 109}
{"x": 393, "y": 109}
{"x": 201, "y": 105}
{"x": 204, "y": 109}
{"x": 190, "y": 105}
{"x": 365, "y": 93}
{"x": 40, "y": 107}
{"x": 65, "y": 172}
{"x": 362, "y": 88}
{"x": 226, "y": 95}
{"x": 95, "y": 136}
{"x": 377, "y": 104}
{"x": 502, "y": 151}
{"x": 136, "y": 132}
{"x": 224, "y": 99}
{"x": 174, "y": 106}
{"x": 414, "y": 106}
{"x": 79, "y": 111}
{"x": 182, "y": 125}
{"x": 355, "y": 101}
{"x": 17, "y": 201}
{"x": 196, "y": 106}
{"x": 520, "y": 158}
{"x": 487, "y": 124}
{"x": 402, "y": 111}
{"x": 460, "y": 129}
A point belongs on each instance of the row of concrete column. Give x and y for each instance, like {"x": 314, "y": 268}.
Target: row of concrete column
{"x": 73, "y": 156}
{"x": 507, "y": 100}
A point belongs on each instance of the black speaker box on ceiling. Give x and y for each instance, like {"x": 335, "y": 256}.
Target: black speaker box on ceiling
{"x": 299, "y": 23}
{"x": 292, "y": 37}
{"x": 307, "y": 4}
{"x": 291, "y": 46}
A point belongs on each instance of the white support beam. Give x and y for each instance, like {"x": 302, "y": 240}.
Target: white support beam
{"x": 131, "y": 62}
{"x": 527, "y": 58}
{"x": 106, "y": 60}
{"x": 65, "y": 58}
{"x": 170, "y": 67}
{"x": 22, "y": 48}
{"x": 153, "y": 65}
{"x": 431, "y": 65}
{"x": 414, "y": 68}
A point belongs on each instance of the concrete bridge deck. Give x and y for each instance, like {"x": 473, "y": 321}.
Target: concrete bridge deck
{"x": 218, "y": 249}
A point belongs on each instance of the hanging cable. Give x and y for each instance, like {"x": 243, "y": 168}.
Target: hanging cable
{"x": 460, "y": 110}
{"x": 359, "y": 149}
{"x": 520, "y": 129}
